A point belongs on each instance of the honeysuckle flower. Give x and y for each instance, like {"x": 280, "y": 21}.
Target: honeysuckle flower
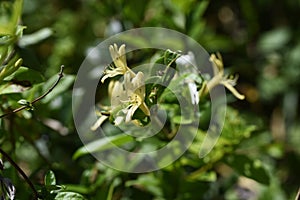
{"x": 127, "y": 94}
{"x": 119, "y": 59}
{"x": 186, "y": 60}
{"x": 187, "y": 63}
{"x": 220, "y": 78}
{"x": 131, "y": 94}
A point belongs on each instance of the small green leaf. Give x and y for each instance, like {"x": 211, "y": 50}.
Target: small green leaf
{"x": 23, "y": 102}
{"x": 69, "y": 195}
{"x": 50, "y": 178}
{"x": 250, "y": 168}
{"x": 103, "y": 144}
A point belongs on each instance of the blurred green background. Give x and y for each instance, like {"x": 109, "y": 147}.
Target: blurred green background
{"x": 259, "y": 40}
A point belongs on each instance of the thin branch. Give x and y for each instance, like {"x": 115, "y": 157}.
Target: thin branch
{"x": 15, "y": 165}
{"x": 60, "y": 75}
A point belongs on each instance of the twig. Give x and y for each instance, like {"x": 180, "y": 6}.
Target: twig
{"x": 15, "y": 165}
{"x": 60, "y": 75}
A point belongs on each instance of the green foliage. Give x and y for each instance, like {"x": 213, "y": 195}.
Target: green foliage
{"x": 50, "y": 178}
{"x": 103, "y": 144}
{"x": 53, "y": 191}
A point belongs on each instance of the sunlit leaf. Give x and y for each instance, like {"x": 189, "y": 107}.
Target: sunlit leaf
{"x": 62, "y": 86}
{"x": 103, "y": 144}
{"x": 50, "y": 178}
{"x": 247, "y": 167}
{"x": 11, "y": 88}
{"x": 35, "y": 37}
{"x": 68, "y": 195}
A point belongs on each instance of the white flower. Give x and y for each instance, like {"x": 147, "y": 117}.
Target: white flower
{"x": 130, "y": 93}
{"x": 120, "y": 65}
{"x": 186, "y": 60}
{"x": 187, "y": 63}
{"x": 193, "y": 92}
{"x": 220, "y": 78}
{"x": 127, "y": 94}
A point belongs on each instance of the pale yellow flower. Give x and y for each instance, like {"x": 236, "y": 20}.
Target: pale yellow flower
{"x": 99, "y": 122}
{"x": 120, "y": 65}
{"x": 126, "y": 95}
{"x": 220, "y": 78}
{"x": 131, "y": 94}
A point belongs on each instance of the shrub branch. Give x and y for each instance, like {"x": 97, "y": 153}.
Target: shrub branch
{"x": 15, "y": 165}
{"x": 60, "y": 75}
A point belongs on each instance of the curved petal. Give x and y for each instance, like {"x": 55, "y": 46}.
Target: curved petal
{"x": 233, "y": 90}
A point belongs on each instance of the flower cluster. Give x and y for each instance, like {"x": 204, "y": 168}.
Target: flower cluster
{"x": 126, "y": 94}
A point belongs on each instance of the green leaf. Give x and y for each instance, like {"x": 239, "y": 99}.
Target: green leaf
{"x": 12, "y": 66}
{"x": 62, "y": 86}
{"x": 69, "y": 195}
{"x": 9, "y": 23}
{"x": 35, "y": 37}
{"x": 182, "y": 120}
{"x": 50, "y": 178}
{"x": 11, "y": 89}
{"x": 54, "y": 188}
{"x": 103, "y": 144}
{"x": 250, "y": 168}
{"x": 148, "y": 182}
{"x": 114, "y": 184}
{"x": 184, "y": 6}
{"x": 23, "y": 102}
{"x": 25, "y": 76}
{"x": 168, "y": 60}
{"x": 274, "y": 39}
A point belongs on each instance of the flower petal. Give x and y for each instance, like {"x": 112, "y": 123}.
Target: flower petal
{"x": 145, "y": 108}
{"x": 119, "y": 120}
{"x": 118, "y": 56}
{"x": 194, "y": 93}
{"x": 99, "y": 122}
{"x": 233, "y": 90}
{"x": 217, "y": 64}
{"x": 130, "y": 112}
